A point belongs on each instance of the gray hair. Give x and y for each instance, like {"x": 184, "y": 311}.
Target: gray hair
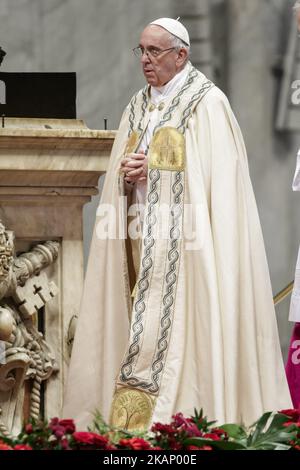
{"x": 179, "y": 44}
{"x": 297, "y": 5}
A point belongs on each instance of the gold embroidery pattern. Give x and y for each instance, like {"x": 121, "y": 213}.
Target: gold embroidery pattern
{"x": 131, "y": 409}
{"x": 167, "y": 150}
{"x": 141, "y": 304}
{"x": 132, "y": 142}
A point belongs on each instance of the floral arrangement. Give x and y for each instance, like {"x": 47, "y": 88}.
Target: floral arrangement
{"x": 273, "y": 431}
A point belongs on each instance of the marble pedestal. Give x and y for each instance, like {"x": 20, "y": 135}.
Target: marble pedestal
{"x": 48, "y": 170}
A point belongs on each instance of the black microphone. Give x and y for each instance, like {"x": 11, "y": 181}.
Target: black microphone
{"x": 2, "y": 55}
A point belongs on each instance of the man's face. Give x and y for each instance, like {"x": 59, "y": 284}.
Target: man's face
{"x": 158, "y": 70}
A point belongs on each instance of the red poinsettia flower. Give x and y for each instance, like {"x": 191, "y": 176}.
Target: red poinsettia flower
{"x": 186, "y": 424}
{"x": 22, "y": 447}
{"x": 57, "y": 429}
{"x": 65, "y": 444}
{"x": 199, "y": 448}
{"x": 219, "y": 432}
{"x": 293, "y": 414}
{"x": 54, "y": 422}
{"x": 29, "y": 428}
{"x": 68, "y": 425}
{"x": 212, "y": 436}
{"x": 84, "y": 437}
{"x": 4, "y": 446}
{"x": 295, "y": 446}
{"x": 100, "y": 441}
{"x": 135, "y": 443}
{"x": 90, "y": 438}
{"x": 192, "y": 430}
{"x": 167, "y": 429}
{"x": 179, "y": 420}
{"x": 291, "y": 423}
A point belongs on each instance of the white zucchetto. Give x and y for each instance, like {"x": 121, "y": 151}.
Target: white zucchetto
{"x": 174, "y": 27}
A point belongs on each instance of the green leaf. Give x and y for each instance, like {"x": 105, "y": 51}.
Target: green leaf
{"x": 259, "y": 426}
{"x": 274, "y": 437}
{"x": 99, "y": 425}
{"x": 277, "y": 423}
{"x": 234, "y": 431}
{"x": 222, "y": 445}
{"x": 270, "y": 445}
{"x": 282, "y": 447}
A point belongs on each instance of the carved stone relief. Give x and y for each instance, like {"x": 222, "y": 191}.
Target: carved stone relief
{"x": 24, "y": 353}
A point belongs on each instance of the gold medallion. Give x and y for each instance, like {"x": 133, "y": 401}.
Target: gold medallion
{"x": 152, "y": 107}
{"x": 131, "y": 409}
{"x": 167, "y": 150}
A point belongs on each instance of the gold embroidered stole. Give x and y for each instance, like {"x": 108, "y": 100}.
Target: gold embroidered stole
{"x": 141, "y": 372}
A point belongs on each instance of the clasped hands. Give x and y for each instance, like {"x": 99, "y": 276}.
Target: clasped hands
{"x": 135, "y": 167}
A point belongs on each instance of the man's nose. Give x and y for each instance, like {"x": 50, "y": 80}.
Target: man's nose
{"x": 145, "y": 57}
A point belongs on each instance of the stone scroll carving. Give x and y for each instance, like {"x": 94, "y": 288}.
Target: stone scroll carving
{"x": 24, "y": 353}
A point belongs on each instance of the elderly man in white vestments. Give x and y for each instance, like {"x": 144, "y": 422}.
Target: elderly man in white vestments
{"x": 182, "y": 318}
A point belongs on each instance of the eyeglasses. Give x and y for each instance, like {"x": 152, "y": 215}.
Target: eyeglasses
{"x": 151, "y": 51}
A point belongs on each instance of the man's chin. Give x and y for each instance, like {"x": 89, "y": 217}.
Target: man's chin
{"x": 150, "y": 79}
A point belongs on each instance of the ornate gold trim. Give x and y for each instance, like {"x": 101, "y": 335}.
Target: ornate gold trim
{"x": 167, "y": 150}
{"x": 132, "y": 142}
{"x": 131, "y": 409}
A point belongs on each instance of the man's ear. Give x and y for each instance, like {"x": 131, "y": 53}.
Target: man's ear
{"x": 182, "y": 56}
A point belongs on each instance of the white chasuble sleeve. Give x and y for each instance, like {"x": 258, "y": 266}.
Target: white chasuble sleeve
{"x": 251, "y": 373}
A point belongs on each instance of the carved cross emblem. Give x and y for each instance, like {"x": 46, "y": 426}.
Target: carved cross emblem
{"x": 167, "y": 151}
